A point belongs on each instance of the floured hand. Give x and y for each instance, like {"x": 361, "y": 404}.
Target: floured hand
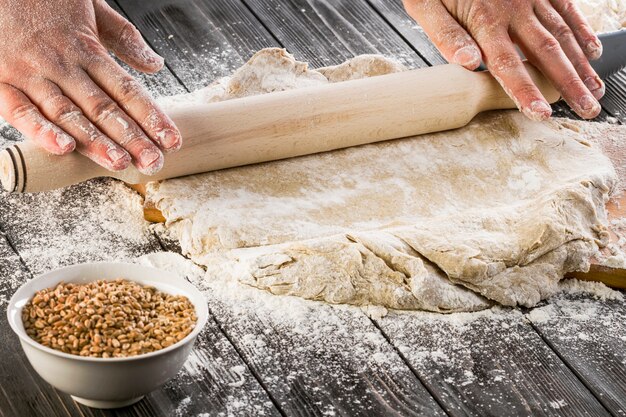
{"x": 60, "y": 87}
{"x": 552, "y": 34}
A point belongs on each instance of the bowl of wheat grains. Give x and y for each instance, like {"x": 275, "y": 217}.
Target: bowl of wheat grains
{"x": 107, "y": 333}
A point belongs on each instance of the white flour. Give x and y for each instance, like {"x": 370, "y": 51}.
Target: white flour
{"x": 604, "y": 15}
{"x": 595, "y": 289}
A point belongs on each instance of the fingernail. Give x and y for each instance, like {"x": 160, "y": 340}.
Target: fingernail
{"x": 588, "y": 107}
{"x": 169, "y": 139}
{"x": 468, "y": 56}
{"x": 152, "y": 57}
{"x": 594, "y": 49}
{"x": 151, "y": 161}
{"x": 538, "y": 111}
{"x": 595, "y": 86}
{"x": 65, "y": 142}
{"x": 116, "y": 154}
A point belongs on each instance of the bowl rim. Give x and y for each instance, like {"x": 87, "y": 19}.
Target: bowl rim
{"x": 201, "y": 311}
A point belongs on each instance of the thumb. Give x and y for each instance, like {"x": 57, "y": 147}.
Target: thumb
{"x": 124, "y": 40}
{"x": 454, "y": 43}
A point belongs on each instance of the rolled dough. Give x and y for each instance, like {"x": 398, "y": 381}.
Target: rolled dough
{"x": 498, "y": 211}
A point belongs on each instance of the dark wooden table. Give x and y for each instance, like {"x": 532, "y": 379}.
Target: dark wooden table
{"x": 500, "y": 363}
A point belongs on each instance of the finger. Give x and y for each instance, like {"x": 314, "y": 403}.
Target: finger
{"x": 506, "y": 66}
{"x": 456, "y": 45}
{"x": 19, "y": 111}
{"x": 124, "y": 40}
{"x": 544, "y": 51}
{"x": 135, "y": 101}
{"x": 587, "y": 39}
{"x": 89, "y": 140}
{"x": 555, "y": 24}
{"x": 104, "y": 113}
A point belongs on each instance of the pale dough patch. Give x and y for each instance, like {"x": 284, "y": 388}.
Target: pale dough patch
{"x": 499, "y": 210}
{"x": 604, "y": 15}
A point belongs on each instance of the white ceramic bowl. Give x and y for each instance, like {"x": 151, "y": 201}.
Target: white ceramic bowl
{"x": 112, "y": 382}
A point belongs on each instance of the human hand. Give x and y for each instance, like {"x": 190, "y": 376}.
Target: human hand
{"x": 553, "y": 35}
{"x": 60, "y": 87}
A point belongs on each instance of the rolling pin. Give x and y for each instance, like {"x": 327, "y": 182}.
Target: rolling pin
{"x": 287, "y": 124}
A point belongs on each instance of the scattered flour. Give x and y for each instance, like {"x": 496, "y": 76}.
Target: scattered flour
{"x": 181, "y": 410}
{"x": 558, "y": 404}
{"x": 170, "y": 261}
{"x": 596, "y": 289}
{"x": 98, "y": 220}
{"x": 288, "y": 336}
{"x": 542, "y": 314}
{"x": 240, "y": 371}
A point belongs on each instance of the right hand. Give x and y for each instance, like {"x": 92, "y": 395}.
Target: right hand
{"x": 60, "y": 88}
{"x": 553, "y": 35}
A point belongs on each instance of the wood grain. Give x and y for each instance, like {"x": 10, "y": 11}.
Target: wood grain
{"x": 201, "y": 40}
{"x": 328, "y": 32}
{"x": 394, "y": 14}
{"x": 489, "y": 363}
{"x": 317, "y": 359}
{"x": 593, "y": 348}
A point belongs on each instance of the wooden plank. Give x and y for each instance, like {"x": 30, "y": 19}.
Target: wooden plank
{"x": 489, "y": 363}
{"x": 590, "y": 336}
{"x": 393, "y": 12}
{"x": 317, "y": 359}
{"x": 201, "y": 40}
{"x": 326, "y": 378}
{"x": 328, "y": 32}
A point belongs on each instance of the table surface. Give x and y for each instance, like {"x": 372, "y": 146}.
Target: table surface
{"x": 505, "y": 362}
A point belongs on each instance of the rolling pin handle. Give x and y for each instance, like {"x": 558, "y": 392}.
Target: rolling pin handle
{"x": 12, "y": 169}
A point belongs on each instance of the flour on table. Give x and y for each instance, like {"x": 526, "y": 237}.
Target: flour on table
{"x": 604, "y": 15}
{"x": 497, "y": 211}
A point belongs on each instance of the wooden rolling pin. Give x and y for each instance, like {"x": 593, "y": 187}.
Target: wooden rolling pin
{"x": 289, "y": 123}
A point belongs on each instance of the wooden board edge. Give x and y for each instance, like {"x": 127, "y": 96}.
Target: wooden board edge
{"x": 150, "y": 212}
{"x": 611, "y": 277}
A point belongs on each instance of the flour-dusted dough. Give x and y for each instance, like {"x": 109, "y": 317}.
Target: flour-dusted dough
{"x": 604, "y": 15}
{"x": 499, "y": 210}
